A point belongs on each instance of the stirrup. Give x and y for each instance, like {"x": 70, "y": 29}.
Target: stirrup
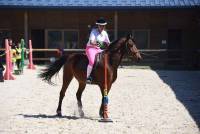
{"x": 89, "y": 80}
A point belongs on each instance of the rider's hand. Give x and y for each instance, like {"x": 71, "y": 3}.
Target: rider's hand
{"x": 100, "y": 44}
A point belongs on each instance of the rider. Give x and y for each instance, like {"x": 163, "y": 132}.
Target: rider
{"x": 98, "y": 38}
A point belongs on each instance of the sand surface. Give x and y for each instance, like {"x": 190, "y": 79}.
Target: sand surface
{"x": 140, "y": 102}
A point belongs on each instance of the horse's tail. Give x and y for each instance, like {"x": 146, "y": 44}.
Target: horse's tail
{"x": 53, "y": 69}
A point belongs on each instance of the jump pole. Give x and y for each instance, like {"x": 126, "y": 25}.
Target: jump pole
{"x": 31, "y": 65}
{"x": 7, "y": 74}
{"x": 105, "y": 94}
{"x": 22, "y": 55}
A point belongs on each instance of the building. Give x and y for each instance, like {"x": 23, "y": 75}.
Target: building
{"x": 155, "y": 24}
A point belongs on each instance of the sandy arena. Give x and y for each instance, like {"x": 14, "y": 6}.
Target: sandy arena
{"x": 141, "y": 101}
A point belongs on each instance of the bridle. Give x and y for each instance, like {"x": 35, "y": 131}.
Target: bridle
{"x": 128, "y": 50}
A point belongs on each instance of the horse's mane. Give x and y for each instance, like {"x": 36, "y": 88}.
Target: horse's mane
{"x": 115, "y": 45}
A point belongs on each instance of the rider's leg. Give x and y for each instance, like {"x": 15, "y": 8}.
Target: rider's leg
{"x": 90, "y": 52}
{"x": 89, "y": 70}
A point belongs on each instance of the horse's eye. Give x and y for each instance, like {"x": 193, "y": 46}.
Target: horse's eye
{"x": 130, "y": 44}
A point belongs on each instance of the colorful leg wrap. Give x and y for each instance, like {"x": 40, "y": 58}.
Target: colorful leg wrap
{"x": 105, "y": 100}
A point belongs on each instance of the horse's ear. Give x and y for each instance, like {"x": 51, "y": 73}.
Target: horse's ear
{"x": 129, "y": 36}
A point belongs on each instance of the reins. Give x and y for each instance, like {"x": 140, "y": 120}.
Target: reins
{"x": 150, "y": 55}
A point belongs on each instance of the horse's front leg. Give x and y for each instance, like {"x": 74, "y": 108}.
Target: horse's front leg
{"x": 78, "y": 96}
{"x": 101, "y": 108}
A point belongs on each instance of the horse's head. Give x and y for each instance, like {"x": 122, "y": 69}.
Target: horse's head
{"x": 132, "y": 49}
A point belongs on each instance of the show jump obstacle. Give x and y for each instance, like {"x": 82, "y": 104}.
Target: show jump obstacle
{"x": 8, "y": 72}
{"x": 105, "y": 94}
{"x": 30, "y": 65}
{"x": 8, "y": 75}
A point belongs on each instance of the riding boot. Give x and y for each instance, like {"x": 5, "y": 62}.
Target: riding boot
{"x": 89, "y": 78}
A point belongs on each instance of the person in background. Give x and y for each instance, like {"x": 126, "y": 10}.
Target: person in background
{"x": 1, "y": 67}
{"x": 18, "y": 55}
{"x": 13, "y": 57}
{"x": 13, "y": 53}
{"x": 97, "y": 41}
{"x": 60, "y": 52}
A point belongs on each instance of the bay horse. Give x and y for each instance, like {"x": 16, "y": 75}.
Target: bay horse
{"x": 75, "y": 65}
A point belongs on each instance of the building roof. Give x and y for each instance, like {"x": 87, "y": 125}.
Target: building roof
{"x": 99, "y": 4}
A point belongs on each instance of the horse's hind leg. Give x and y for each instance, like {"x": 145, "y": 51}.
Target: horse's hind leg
{"x": 67, "y": 77}
{"x": 78, "y": 96}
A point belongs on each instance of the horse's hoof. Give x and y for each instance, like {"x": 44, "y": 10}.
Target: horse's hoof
{"x": 81, "y": 113}
{"x": 59, "y": 113}
{"x": 101, "y": 115}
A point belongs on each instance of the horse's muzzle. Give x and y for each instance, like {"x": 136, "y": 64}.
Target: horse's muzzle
{"x": 139, "y": 57}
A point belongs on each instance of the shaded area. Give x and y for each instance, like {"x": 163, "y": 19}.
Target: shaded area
{"x": 186, "y": 87}
{"x": 166, "y": 59}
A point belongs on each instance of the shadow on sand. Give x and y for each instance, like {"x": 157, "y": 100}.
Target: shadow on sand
{"x": 186, "y": 87}
{"x": 43, "y": 116}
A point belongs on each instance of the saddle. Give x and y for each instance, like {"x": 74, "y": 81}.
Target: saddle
{"x": 83, "y": 62}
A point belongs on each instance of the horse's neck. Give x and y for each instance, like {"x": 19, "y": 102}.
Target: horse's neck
{"x": 116, "y": 52}
{"x": 115, "y": 58}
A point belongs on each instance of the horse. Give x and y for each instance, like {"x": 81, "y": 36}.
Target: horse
{"x": 75, "y": 65}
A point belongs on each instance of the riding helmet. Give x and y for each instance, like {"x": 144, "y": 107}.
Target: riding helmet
{"x": 101, "y": 21}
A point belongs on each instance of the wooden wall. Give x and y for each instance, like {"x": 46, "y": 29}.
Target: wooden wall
{"x": 157, "y": 21}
